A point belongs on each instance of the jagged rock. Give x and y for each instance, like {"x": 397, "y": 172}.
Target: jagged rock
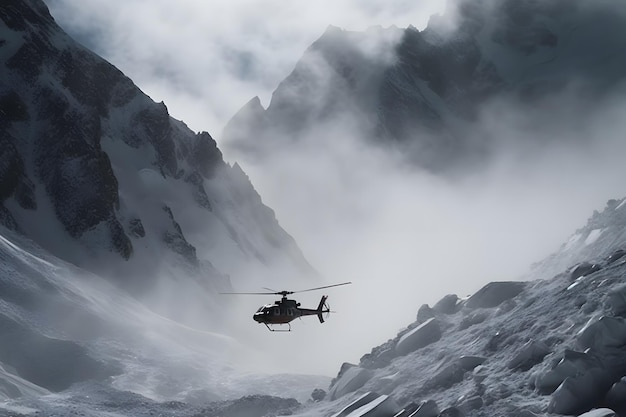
{"x": 351, "y": 380}
{"x": 379, "y": 357}
{"x": 176, "y": 241}
{"x": 580, "y": 393}
{"x": 136, "y": 228}
{"x": 318, "y": 394}
{"x": 583, "y": 269}
{"x": 205, "y": 155}
{"x": 494, "y": 293}
{"x": 529, "y": 355}
{"x": 447, "y": 305}
{"x": 423, "y": 335}
{"x": 616, "y": 300}
{"x": 424, "y": 313}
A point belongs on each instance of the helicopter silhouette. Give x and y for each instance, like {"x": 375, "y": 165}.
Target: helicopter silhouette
{"x": 284, "y": 311}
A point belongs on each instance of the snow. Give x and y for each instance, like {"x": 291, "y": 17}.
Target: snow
{"x": 620, "y": 205}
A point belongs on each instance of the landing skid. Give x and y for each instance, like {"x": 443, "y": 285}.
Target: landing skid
{"x": 278, "y": 330}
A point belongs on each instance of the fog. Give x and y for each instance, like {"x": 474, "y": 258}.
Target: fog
{"x": 207, "y": 59}
{"x": 403, "y": 236}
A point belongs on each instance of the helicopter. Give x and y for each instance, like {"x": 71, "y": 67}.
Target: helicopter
{"x": 284, "y": 311}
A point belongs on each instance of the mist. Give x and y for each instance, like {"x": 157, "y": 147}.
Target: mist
{"x": 403, "y": 236}
{"x": 406, "y": 237}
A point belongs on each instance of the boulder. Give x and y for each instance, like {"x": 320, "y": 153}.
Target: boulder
{"x": 615, "y": 256}
{"x": 495, "y": 293}
{"x": 573, "y": 363}
{"x": 583, "y": 269}
{"x": 580, "y": 393}
{"x": 318, "y": 394}
{"x": 447, "y": 305}
{"x": 616, "y": 397}
{"x": 529, "y": 355}
{"x": 351, "y": 380}
{"x": 453, "y": 372}
{"x": 424, "y": 313}
{"x": 423, "y": 335}
{"x": 602, "y": 334}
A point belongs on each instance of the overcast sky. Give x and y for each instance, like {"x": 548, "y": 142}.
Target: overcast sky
{"x": 206, "y": 59}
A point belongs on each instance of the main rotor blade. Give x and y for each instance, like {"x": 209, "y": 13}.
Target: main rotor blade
{"x": 250, "y": 293}
{"x": 326, "y": 286}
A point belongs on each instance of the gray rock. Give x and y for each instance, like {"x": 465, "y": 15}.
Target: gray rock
{"x": 583, "y": 269}
{"x": 495, "y": 293}
{"x": 616, "y": 397}
{"x": 603, "y": 334}
{"x": 423, "y": 335}
{"x": 529, "y": 355}
{"x": 351, "y": 380}
{"x": 424, "y": 313}
{"x": 580, "y": 393}
{"x": 447, "y": 305}
{"x": 573, "y": 363}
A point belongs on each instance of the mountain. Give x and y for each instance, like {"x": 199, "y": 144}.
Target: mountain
{"x": 118, "y": 228}
{"x": 98, "y": 174}
{"x": 427, "y": 94}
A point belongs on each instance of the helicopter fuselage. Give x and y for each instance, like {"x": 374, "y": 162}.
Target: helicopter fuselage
{"x": 285, "y": 310}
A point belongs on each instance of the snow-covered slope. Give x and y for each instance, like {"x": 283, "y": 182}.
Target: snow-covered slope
{"x": 553, "y": 345}
{"x": 72, "y": 340}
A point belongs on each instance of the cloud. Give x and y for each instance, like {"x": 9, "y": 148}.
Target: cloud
{"x": 207, "y": 59}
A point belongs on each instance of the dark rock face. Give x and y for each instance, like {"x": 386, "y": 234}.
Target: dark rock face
{"x": 423, "y": 101}
{"x": 68, "y": 122}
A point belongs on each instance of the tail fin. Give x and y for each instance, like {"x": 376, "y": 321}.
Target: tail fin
{"x": 320, "y": 308}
